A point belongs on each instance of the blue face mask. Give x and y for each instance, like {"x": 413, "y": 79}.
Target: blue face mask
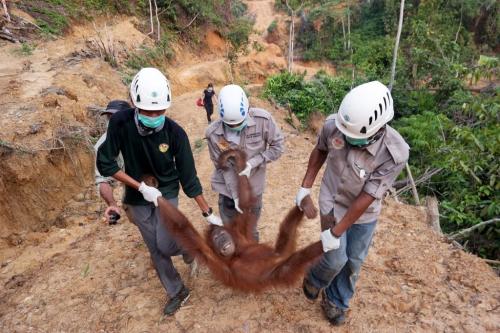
{"x": 357, "y": 142}
{"x": 237, "y": 128}
{"x": 151, "y": 122}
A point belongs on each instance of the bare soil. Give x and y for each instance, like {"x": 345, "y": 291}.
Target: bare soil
{"x": 63, "y": 270}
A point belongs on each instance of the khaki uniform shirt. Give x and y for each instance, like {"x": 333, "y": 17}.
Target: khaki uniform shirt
{"x": 350, "y": 170}
{"x": 261, "y": 140}
{"x": 98, "y": 177}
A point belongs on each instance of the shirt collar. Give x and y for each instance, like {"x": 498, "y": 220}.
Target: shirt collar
{"x": 220, "y": 126}
{"x": 374, "y": 147}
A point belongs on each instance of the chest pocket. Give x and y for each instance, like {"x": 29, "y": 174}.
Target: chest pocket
{"x": 360, "y": 164}
{"x": 255, "y": 142}
{"x": 358, "y": 169}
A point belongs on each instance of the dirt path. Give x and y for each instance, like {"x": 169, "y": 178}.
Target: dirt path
{"x": 84, "y": 276}
{"x": 90, "y": 277}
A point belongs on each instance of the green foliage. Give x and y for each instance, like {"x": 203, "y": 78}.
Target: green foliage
{"x": 465, "y": 142}
{"x": 51, "y": 22}
{"x": 257, "y": 46}
{"x": 323, "y": 94}
{"x": 26, "y": 49}
{"x": 272, "y": 27}
{"x": 151, "y": 56}
{"x": 444, "y": 47}
{"x": 239, "y": 32}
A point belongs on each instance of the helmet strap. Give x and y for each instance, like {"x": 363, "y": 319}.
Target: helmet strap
{"x": 374, "y": 138}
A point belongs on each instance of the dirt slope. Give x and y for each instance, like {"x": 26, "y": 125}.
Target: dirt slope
{"x": 83, "y": 276}
{"x": 90, "y": 277}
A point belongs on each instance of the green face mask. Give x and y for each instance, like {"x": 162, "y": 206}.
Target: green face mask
{"x": 357, "y": 142}
{"x": 238, "y": 128}
{"x": 151, "y": 122}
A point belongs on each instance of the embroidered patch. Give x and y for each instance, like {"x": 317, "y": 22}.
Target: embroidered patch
{"x": 338, "y": 143}
{"x": 163, "y": 147}
{"x": 223, "y": 144}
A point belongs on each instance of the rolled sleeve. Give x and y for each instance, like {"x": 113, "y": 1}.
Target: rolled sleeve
{"x": 275, "y": 148}
{"x": 326, "y": 131}
{"x": 108, "y": 152}
{"x": 382, "y": 179}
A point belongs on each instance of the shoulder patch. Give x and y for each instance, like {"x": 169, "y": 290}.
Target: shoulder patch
{"x": 397, "y": 146}
{"x": 329, "y": 126}
{"x": 261, "y": 113}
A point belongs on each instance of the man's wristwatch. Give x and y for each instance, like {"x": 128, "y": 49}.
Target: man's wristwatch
{"x": 208, "y": 213}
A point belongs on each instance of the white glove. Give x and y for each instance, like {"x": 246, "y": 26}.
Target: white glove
{"x": 246, "y": 171}
{"x": 150, "y": 193}
{"x": 237, "y": 205}
{"x": 329, "y": 241}
{"x": 301, "y": 194}
{"x": 214, "y": 219}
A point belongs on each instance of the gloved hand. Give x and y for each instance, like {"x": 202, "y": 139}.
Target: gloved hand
{"x": 237, "y": 205}
{"x": 329, "y": 241}
{"x": 246, "y": 171}
{"x": 150, "y": 193}
{"x": 214, "y": 219}
{"x": 301, "y": 194}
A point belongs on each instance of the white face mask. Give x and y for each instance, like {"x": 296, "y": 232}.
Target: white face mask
{"x": 210, "y": 89}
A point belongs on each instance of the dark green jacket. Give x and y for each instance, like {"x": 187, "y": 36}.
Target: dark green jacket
{"x": 166, "y": 155}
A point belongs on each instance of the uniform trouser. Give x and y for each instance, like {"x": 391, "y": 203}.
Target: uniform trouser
{"x": 227, "y": 211}
{"x": 338, "y": 270}
{"x": 160, "y": 244}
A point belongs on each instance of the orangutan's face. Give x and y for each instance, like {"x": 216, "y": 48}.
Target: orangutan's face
{"x": 223, "y": 242}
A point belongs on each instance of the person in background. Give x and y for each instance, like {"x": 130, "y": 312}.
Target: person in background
{"x": 208, "y": 95}
{"x": 363, "y": 157}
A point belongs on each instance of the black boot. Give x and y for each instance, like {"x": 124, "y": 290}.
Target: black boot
{"x": 310, "y": 291}
{"x": 334, "y": 314}
{"x": 175, "y": 303}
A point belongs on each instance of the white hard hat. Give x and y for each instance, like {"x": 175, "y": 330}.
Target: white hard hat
{"x": 150, "y": 90}
{"x": 233, "y": 104}
{"x": 364, "y": 110}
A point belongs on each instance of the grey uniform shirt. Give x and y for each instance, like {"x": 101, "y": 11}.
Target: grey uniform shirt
{"x": 98, "y": 177}
{"x": 350, "y": 170}
{"x": 261, "y": 140}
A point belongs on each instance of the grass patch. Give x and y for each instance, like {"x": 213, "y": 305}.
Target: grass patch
{"x": 26, "y": 49}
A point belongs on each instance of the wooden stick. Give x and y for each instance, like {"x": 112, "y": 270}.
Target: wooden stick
{"x": 413, "y": 186}
{"x": 465, "y": 232}
{"x": 396, "y": 46}
{"x": 4, "y": 4}
{"x": 433, "y": 213}
{"x": 426, "y": 176}
{"x": 157, "y": 21}
{"x": 492, "y": 262}
{"x": 151, "y": 18}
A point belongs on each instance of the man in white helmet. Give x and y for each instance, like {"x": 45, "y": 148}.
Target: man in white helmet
{"x": 364, "y": 156}
{"x": 153, "y": 145}
{"x": 254, "y": 131}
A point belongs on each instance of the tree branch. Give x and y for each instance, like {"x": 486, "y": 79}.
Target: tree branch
{"x": 4, "y": 4}
{"x": 465, "y": 232}
{"x": 396, "y": 46}
{"x": 191, "y": 22}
